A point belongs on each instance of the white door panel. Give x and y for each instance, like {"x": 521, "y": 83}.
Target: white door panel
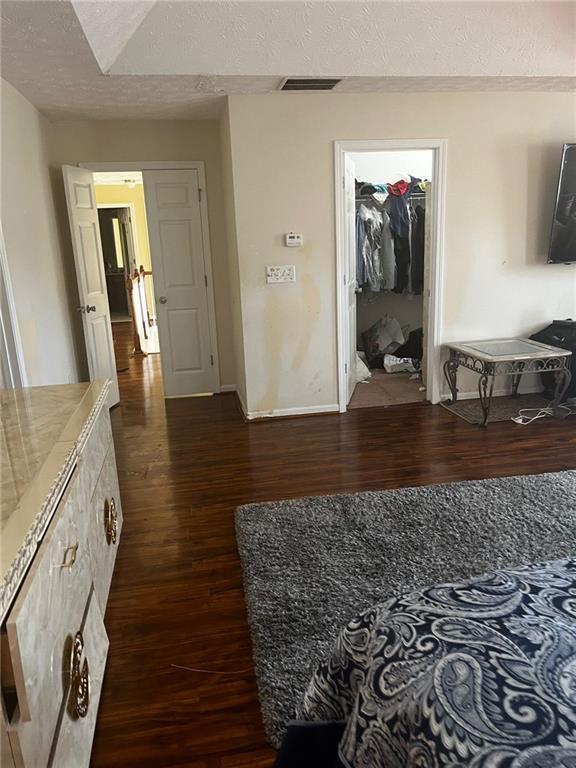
{"x": 351, "y": 284}
{"x": 87, "y": 247}
{"x": 181, "y": 282}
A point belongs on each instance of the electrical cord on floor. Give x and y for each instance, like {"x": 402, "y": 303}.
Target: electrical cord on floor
{"x": 524, "y": 417}
{"x": 212, "y": 671}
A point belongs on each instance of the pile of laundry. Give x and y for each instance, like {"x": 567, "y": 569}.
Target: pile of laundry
{"x": 389, "y": 346}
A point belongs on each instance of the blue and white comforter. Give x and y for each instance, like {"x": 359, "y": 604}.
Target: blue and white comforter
{"x": 480, "y": 674}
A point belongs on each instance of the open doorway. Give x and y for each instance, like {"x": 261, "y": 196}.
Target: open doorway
{"x": 388, "y": 236}
{"x": 127, "y": 265}
{"x": 176, "y": 312}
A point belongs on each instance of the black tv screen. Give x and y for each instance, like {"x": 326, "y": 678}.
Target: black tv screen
{"x": 563, "y": 240}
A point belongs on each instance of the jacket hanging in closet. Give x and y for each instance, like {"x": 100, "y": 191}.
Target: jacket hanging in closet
{"x": 375, "y": 259}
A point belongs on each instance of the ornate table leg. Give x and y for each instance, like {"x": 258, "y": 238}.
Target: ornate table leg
{"x": 450, "y": 371}
{"x": 485, "y": 393}
{"x": 562, "y": 377}
{"x": 516, "y": 379}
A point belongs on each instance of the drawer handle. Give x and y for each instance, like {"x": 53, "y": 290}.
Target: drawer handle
{"x": 79, "y": 700}
{"x": 68, "y": 563}
{"x": 110, "y": 521}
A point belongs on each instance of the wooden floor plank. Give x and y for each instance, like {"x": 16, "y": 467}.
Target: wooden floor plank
{"x": 177, "y": 595}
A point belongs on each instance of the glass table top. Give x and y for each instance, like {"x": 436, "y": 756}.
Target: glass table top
{"x": 508, "y": 349}
{"x": 505, "y": 347}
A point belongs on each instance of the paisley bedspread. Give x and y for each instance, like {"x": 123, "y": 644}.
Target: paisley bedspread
{"x": 481, "y": 674}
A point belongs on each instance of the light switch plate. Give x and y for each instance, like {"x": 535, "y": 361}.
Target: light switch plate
{"x": 286, "y": 273}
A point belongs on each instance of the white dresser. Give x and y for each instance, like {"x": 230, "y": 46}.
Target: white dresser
{"x": 60, "y": 523}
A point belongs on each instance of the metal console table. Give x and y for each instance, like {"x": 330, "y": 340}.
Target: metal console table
{"x": 507, "y": 357}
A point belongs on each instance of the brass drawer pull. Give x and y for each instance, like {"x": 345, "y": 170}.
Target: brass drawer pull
{"x": 79, "y": 700}
{"x": 68, "y": 563}
{"x": 110, "y": 521}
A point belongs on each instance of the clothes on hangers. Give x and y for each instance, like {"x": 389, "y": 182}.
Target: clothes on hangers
{"x": 398, "y": 200}
{"x": 390, "y": 238}
{"x": 417, "y": 248}
{"x": 375, "y": 258}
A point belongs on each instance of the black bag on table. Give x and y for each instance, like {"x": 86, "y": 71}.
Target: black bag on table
{"x": 562, "y": 334}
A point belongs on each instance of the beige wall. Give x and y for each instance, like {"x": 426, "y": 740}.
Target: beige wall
{"x": 133, "y": 141}
{"x": 44, "y": 291}
{"x": 503, "y": 160}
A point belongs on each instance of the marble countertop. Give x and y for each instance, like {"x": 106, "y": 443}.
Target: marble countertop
{"x": 39, "y": 432}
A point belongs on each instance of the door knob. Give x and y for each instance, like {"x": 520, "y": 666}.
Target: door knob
{"x": 81, "y": 309}
{"x": 90, "y": 308}
{"x": 162, "y": 299}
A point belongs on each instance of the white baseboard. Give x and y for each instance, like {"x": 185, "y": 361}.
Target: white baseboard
{"x": 304, "y": 411}
{"x": 228, "y": 388}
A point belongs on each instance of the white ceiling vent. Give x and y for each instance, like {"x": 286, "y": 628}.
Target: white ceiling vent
{"x": 309, "y": 83}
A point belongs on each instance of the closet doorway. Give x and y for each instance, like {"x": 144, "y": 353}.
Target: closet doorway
{"x": 389, "y": 211}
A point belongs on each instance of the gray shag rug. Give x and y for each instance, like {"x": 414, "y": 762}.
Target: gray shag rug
{"x": 312, "y": 564}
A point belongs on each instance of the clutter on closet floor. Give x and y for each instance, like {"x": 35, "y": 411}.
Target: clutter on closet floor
{"x": 390, "y": 267}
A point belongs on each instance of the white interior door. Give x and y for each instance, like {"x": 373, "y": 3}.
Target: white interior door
{"x": 182, "y": 281}
{"x": 350, "y": 277}
{"x": 87, "y": 247}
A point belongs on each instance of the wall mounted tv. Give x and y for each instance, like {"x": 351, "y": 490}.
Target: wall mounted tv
{"x": 563, "y": 240}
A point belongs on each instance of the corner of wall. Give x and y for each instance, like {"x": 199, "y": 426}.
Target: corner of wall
{"x": 40, "y": 275}
{"x": 233, "y": 261}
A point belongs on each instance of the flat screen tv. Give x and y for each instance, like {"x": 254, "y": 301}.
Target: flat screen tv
{"x": 563, "y": 240}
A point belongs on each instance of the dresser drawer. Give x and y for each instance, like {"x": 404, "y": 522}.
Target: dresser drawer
{"x": 46, "y": 614}
{"x": 74, "y": 742}
{"x": 105, "y": 526}
{"x": 94, "y": 449}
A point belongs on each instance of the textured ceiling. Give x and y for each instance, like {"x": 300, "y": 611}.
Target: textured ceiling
{"x": 354, "y": 38}
{"x": 165, "y": 59}
{"x": 108, "y": 26}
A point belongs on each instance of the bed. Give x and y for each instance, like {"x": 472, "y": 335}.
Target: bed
{"x": 480, "y": 673}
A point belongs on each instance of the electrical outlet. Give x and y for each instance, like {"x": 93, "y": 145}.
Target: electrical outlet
{"x": 286, "y": 273}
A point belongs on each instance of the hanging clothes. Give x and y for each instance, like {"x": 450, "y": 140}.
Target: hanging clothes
{"x": 375, "y": 258}
{"x": 398, "y": 201}
{"x": 387, "y": 255}
{"x": 417, "y": 248}
{"x": 390, "y": 236}
{"x": 402, "y": 256}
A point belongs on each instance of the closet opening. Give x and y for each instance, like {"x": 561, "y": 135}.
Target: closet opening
{"x": 388, "y": 238}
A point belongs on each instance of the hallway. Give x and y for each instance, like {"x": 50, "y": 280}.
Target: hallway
{"x": 177, "y": 597}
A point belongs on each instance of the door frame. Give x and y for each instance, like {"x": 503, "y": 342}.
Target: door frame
{"x": 11, "y": 349}
{"x": 436, "y": 261}
{"x": 187, "y": 165}
{"x": 132, "y": 208}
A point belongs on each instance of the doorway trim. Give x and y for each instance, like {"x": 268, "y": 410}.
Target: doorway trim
{"x": 436, "y": 265}
{"x": 13, "y": 367}
{"x": 132, "y": 208}
{"x": 181, "y": 165}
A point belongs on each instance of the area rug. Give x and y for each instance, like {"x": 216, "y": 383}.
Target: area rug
{"x": 312, "y": 564}
{"x": 501, "y": 408}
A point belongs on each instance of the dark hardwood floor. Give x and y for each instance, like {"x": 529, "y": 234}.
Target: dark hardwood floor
{"x": 177, "y": 598}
